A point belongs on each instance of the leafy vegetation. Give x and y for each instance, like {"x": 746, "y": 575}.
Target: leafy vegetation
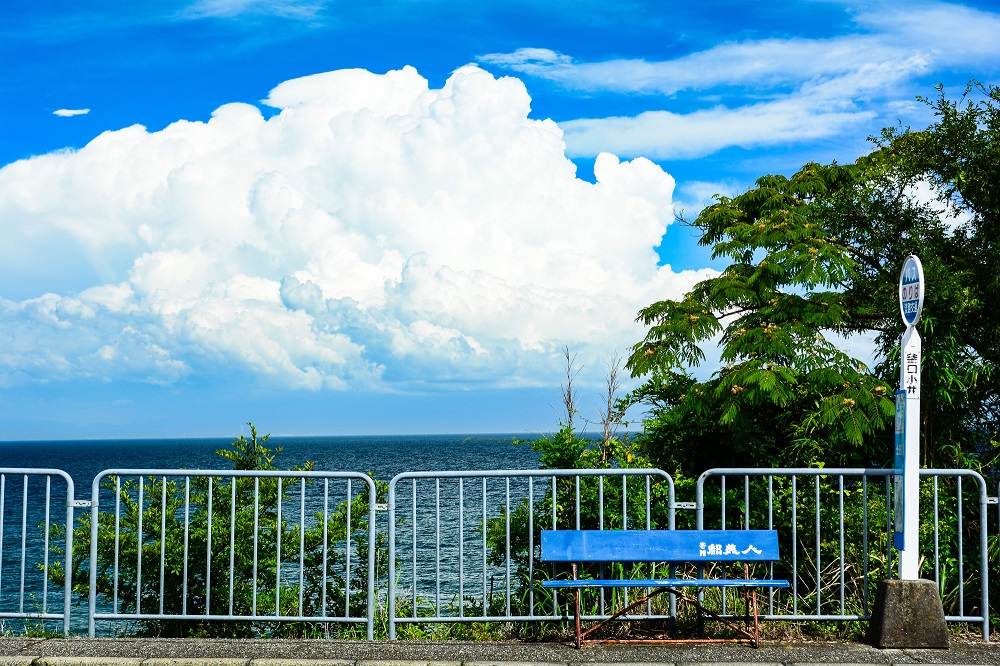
{"x": 814, "y": 261}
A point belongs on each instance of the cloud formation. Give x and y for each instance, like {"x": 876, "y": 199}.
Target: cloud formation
{"x": 374, "y": 233}
{"x": 68, "y": 113}
{"x": 804, "y": 89}
{"x": 290, "y": 9}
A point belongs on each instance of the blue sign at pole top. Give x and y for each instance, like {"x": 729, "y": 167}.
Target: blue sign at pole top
{"x": 911, "y": 290}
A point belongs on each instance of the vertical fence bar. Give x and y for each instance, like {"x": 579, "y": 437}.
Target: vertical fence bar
{"x": 576, "y": 486}
{"x": 347, "y": 549}
{"x": 770, "y": 526}
{"x": 531, "y": 546}
{"x": 937, "y": 534}
{"x": 256, "y": 539}
{"x": 278, "y": 530}
{"x": 507, "y": 500}
{"x": 486, "y": 604}
{"x": 625, "y": 513}
{"x": 68, "y": 566}
{"x": 163, "y": 537}
{"x": 118, "y": 506}
{"x": 3, "y": 512}
{"x": 652, "y": 573}
{"x": 437, "y": 546}
{"x": 45, "y": 551}
{"x": 326, "y": 543}
{"x": 302, "y": 542}
{"x": 819, "y": 569}
{"x": 391, "y": 594}
{"x": 24, "y": 538}
{"x": 92, "y": 591}
{"x": 138, "y": 549}
{"x": 600, "y": 522}
{"x": 795, "y": 548}
{"x": 555, "y": 523}
{"x": 864, "y": 541}
{"x": 624, "y": 527}
{"x": 372, "y": 499}
{"x": 461, "y": 547}
{"x": 208, "y": 553}
{"x": 414, "y": 551}
{"x": 843, "y": 554}
{"x": 746, "y": 501}
{"x": 961, "y": 553}
{"x": 187, "y": 534}
{"x": 888, "y": 527}
{"x": 232, "y": 544}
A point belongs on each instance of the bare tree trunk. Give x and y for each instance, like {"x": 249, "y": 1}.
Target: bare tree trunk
{"x": 611, "y": 418}
{"x": 568, "y": 398}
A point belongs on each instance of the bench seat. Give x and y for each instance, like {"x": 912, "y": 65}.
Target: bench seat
{"x": 666, "y": 582}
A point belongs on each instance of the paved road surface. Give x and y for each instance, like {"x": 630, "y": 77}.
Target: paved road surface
{"x": 198, "y": 652}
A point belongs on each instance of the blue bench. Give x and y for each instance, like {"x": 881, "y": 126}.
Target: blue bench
{"x": 668, "y": 546}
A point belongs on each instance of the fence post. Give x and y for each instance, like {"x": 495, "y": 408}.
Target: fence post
{"x": 372, "y": 534}
{"x": 68, "y": 582}
{"x": 391, "y": 583}
{"x": 92, "y": 565}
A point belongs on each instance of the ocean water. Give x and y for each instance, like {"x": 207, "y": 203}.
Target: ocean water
{"x": 383, "y": 456}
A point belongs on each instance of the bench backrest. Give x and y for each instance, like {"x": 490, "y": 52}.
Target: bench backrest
{"x": 659, "y": 545}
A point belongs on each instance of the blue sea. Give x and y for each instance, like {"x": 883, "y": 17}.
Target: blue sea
{"x": 383, "y": 456}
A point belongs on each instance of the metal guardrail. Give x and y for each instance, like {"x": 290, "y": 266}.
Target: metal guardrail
{"x": 270, "y": 546}
{"x": 273, "y": 532}
{"x": 18, "y": 522}
{"x": 468, "y": 528}
{"x": 833, "y": 512}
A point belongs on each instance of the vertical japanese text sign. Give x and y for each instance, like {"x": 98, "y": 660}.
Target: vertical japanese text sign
{"x": 911, "y": 303}
{"x": 899, "y": 462}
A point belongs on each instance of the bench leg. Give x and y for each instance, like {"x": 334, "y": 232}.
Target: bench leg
{"x": 576, "y": 616}
{"x": 576, "y": 611}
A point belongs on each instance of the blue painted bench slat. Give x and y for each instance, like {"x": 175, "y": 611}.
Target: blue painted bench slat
{"x": 672, "y": 546}
{"x": 659, "y": 545}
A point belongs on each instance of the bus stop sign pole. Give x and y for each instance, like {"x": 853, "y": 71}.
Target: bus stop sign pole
{"x": 906, "y": 508}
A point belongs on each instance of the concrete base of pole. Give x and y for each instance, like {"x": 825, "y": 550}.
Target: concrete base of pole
{"x": 908, "y": 614}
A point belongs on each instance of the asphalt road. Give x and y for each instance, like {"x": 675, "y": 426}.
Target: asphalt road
{"x": 210, "y": 652}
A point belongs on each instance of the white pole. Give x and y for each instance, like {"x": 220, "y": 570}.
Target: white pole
{"x": 909, "y": 381}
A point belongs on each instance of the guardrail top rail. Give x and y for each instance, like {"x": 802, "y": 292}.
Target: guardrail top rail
{"x": 30, "y": 543}
{"x": 253, "y": 545}
{"x": 461, "y": 523}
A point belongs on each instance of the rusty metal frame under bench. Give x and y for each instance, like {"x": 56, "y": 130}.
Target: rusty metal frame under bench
{"x": 668, "y": 546}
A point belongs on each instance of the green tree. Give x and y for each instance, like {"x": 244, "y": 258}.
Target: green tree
{"x": 814, "y": 261}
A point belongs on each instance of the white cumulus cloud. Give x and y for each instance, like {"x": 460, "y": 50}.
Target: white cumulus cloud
{"x": 69, "y": 113}
{"x": 373, "y": 233}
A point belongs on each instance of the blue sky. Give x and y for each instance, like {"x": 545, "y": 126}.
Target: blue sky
{"x": 390, "y": 217}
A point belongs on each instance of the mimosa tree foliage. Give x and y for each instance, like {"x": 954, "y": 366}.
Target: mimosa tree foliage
{"x": 806, "y": 313}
